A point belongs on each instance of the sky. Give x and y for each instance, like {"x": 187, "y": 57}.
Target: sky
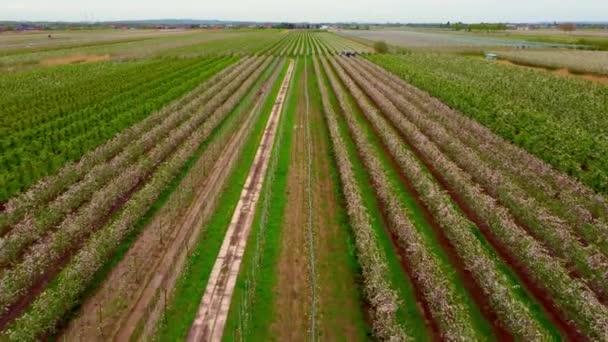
{"x": 414, "y": 11}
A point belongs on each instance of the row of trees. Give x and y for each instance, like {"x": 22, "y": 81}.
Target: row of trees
{"x": 548, "y": 228}
{"x": 568, "y": 199}
{"x": 93, "y": 164}
{"x": 65, "y": 133}
{"x": 488, "y": 27}
{"x": 300, "y": 43}
{"x": 576, "y": 301}
{"x": 487, "y": 271}
{"x": 493, "y": 27}
{"x": 377, "y": 287}
{"x": 445, "y": 302}
{"x": 141, "y": 156}
{"x": 567, "y": 132}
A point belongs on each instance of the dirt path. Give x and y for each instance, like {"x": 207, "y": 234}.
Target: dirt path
{"x": 213, "y": 311}
{"x": 293, "y": 292}
{"x": 310, "y": 305}
{"x": 310, "y": 223}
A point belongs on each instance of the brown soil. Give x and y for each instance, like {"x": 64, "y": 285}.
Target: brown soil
{"x": 74, "y": 59}
{"x": 213, "y": 311}
{"x": 293, "y": 293}
{"x": 560, "y": 72}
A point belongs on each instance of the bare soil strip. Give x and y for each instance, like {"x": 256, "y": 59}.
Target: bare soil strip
{"x": 213, "y": 311}
{"x": 292, "y": 292}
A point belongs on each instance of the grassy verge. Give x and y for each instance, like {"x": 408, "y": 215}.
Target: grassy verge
{"x": 255, "y": 325}
{"x": 191, "y": 284}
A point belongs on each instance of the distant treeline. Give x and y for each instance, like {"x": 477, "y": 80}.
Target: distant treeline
{"x": 476, "y": 27}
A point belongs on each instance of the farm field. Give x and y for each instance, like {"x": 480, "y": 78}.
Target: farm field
{"x": 576, "y": 61}
{"x": 13, "y": 41}
{"x": 285, "y": 185}
{"x": 569, "y": 131}
{"x": 437, "y": 39}
{"x": 594, "y": 39}
{"x": 119, "y": 46}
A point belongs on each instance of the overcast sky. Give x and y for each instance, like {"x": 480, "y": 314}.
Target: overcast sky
{"x": 309, "y": 10}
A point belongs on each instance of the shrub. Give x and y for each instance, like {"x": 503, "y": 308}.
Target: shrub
{"x": 381, "y": 46}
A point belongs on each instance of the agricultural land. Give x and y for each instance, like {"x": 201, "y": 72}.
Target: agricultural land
{"x": 292, "y": 185}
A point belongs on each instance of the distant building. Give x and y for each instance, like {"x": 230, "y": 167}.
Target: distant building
{"x": 528, "y": 27}
{"x": 491, "y": 56}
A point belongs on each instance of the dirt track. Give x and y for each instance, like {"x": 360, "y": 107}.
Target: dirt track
{"x": 213, "y": 310}
{"x": 293, "y": 291}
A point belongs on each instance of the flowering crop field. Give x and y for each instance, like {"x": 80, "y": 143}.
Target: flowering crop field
{"x": 298, "y": 174}
{"x": 497, "y": 219}
{"x": 559, "y": 119}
